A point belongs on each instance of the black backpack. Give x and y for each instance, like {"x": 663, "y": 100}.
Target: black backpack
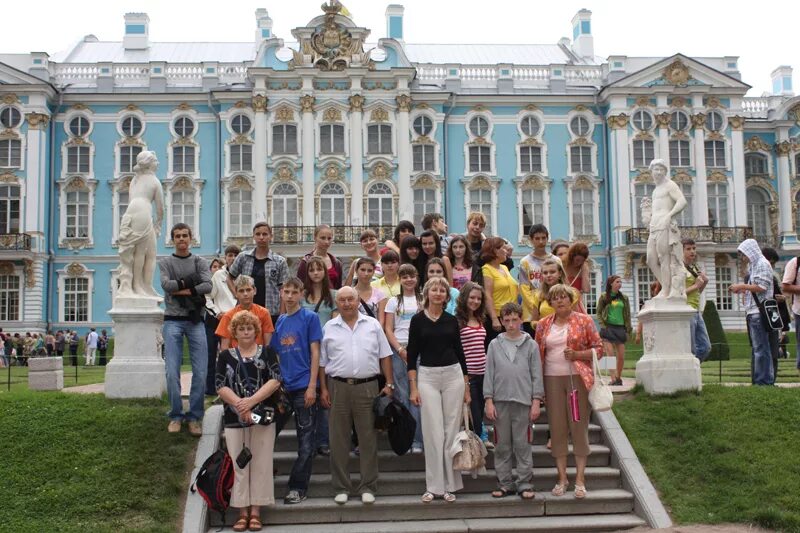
{"x": 214, "y": 481}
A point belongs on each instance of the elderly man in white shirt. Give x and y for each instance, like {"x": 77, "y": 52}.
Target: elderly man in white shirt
{"x": 354, "y": 351}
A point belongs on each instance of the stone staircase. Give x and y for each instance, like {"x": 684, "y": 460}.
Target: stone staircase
{"x": 618, "y": 498}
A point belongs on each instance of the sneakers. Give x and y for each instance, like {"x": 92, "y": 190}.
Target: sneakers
{"x": 324, "y": 451}
{"x": 341, "y": 498}
{"x": 174, "y": 426}
{"x": 195, "y": 428}
{"x": 294, "y": 496}
{"x": 416, "y": 450}
{"x": 368, "y": 498}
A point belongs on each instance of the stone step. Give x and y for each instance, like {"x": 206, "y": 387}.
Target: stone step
{"x": 388, "y": 461}
{"x": 467, "y": 506}
{"x": 399, "y": 483}
{"x": 287, "y": 440}
{"x": 542, "y": 420}
{"x": 575, "y": 523}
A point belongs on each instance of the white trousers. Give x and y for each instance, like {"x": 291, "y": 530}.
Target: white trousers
{"x": 90, "y": 355}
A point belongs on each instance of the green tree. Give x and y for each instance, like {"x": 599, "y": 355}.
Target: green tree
{"x": 720, "y": 351}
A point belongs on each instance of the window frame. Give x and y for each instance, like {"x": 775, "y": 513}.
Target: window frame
{"x": 128, "y": 132}
{"x": 332, "y": 127}
{"x": 237, "y": 129}
{"x": 10, "y": 110}
{"x": 530, "y": 168}
{"x": 277, "y": 196}
{"x": 712, "y": 161}
{"x": 75, "y": 271}
{"x": 714, "y": 203}
{"x": 327, "y": 204}
{"x": 244, "y": 221}
{"x": 237, "y": 153}
{"x": 476, "y": 121}
{"x": 678, "y": 161}
{"x": 483, "y": 152}
{"x": 642, "y": 151}
{"x": 637, "y": 120}
{"x": 280, "y": 143}
{"x": 8, "y": 209}
{"x": 423, "y": 147}
{"x": 384, "y": 145}
{"x": 576, "y": 120}
{"x": 421, "y": 131}
{"x": 11, "y": 153}
{"x": 11, "y": 297}
{"x": 382, "y": 197}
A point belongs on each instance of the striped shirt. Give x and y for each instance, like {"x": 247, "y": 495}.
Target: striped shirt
{"x": 472, "y": 339}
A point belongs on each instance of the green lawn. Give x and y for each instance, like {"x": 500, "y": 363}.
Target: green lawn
{"x": 726, "y": 455}
{"x": 83, "y": 463}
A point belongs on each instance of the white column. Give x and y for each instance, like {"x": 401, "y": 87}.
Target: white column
{"x": 784, "y": 148}
{"x": 739, "y": 186}
{"x": 406, "y": 209}
{"x": 700, "y": 188}
{"x": 260, "y": 158}
{"x": 307, "y": 104}
{"x": 619, "y": 125}
{"x": 33, "y": 223}
{"x": 356, "y": 161}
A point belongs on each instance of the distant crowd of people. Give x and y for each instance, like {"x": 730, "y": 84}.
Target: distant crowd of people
{"x": 17, "y": 348}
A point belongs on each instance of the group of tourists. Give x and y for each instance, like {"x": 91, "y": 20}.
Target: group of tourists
{"x": 18, "y": 348}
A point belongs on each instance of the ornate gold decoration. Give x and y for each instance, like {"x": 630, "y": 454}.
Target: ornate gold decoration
{"x": 425, "y": 180}
{"x": 422, "y": 105}
{"x": 242, "y": 139}
{"x": 182, "y": 184}
{"x": 260, "y": 103}
{"x": 379, "y": 115}
{"x": 380, "y": 171}
{"x": 131, "y": 141}
{"x": 479, "y": 108}
{"x": 644, "y": 176}
{"x": 332, "y": 114}
{"x": 75, "y": 270}
{"x": 79, "y": 107}
{"x": 629, "y": 259}
{"x": 617, "y": 122}
{"x": 8, "y": 134}
{"x": 307, "y": 103}
{"x": 736, "y": 122}
{"x": 241, "y": 104}
{"x": 37, "y": 121}
{"x": 721, "y": 259}
{"x": 717, "y": 177}
{"x": 713, "y": 102}
{"x": 332, "y": 172}
{"x": 184, "y": 106}
{"x": 403, "y": 102}
{"x": 680, "y": 136}
{"x": 30, "y": 276}
{"x": 331, "y": 46}
{"x": 678, "y": 101}
{"x": 755, "y": 144}
{"x": 6, "y": 268}
{"x": 643, "y": 101}
{"x": 643, "y": 136}
{"x": 75, "y": 184}
{"x": 9, "y": 177}
{"x": 480, "y": 141}
{"x": 284, "y": 173}
{"x": 184, "y": 141}
{"x": 423, "y": 139}
{"x": 715, "y": 136}
{"x": 240, "y": 182}
{"x": 531, "y": 107}
{"x": 583, "y": 182}
{"x": 677, "y": 73}
{"x": 535, "y": 182}
{"x": 530, "y": 141}
{"x": 783, "y": 148}
{"x": 481, "y": 182}
{"x": 10, "y": 98}
{"x": 131, "y": 107}
{"x": 580, "y": 108}
{"x": 663, "y": 120}
{"x": 794, "y": 113}
{"x": 284, "y": 114}
{"x": 682, "y": 177}
{"x": 580, "y": 141}
{"x": 699, "y": 120}
{"x": 356, "y": 103}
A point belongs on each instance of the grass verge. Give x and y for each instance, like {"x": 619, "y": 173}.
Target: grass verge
{"x": 84, "y": 463}
{"x": 721, "y": 456}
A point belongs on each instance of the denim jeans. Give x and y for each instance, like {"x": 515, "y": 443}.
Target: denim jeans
{"x": 323, "y": 433}
{"x": 477, "y": 401}
{"x": 174, "y": 331}
{"x": 701, "y": 344}
{"x": 762, "y": 373}
{"x": 305, "y": 419}
{"x": 402, "y": 393}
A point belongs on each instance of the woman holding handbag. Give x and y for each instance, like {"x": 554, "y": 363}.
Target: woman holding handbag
{"x": 246, "y": 376}
{"x": 434, "y": 340}
{"x": 567, "y": 340}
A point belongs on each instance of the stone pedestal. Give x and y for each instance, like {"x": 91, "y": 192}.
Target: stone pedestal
{"x": 45, "y": 373}
{"x": 667, "y": 365}
{"x": 137, "y": 369}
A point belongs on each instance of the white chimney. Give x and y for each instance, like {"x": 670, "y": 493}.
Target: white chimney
{"x": 782, "y": 81}
{"x": 394, "y": 21}
{"x": 263, "y": 25}
{"x": 137, "y": 31}
{"x": 583, "y": 42}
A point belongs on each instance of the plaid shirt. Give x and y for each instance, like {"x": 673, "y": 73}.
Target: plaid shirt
{"x": 759, "y": 273}
{"x": 276, "y": 271}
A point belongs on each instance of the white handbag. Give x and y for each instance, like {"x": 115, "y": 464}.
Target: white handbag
{"x": 600, "y": 396}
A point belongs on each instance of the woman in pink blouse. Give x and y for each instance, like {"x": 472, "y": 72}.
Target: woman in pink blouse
{"x": 566, "y": 340}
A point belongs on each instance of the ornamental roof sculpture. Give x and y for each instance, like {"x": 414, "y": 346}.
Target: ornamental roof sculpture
{"x": 331, "y": 47}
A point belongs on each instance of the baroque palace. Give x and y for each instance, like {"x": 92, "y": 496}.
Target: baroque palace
{"x": 332, "y": 127}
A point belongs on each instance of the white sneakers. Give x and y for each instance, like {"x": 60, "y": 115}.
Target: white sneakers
{"x": 367, "y": 498}
{"x": 341, "y": 498}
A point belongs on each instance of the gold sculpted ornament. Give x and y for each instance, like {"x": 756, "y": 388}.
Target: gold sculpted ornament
{"x": 677, "y": 73}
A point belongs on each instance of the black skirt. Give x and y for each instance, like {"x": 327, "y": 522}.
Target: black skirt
{"x": 614, "y": 334}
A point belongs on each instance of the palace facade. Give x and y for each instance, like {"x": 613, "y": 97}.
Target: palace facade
{"x": 332, "y": 127}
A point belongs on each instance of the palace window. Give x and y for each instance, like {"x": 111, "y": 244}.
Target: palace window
{"x": 642, "y": 120}
{"x": 583, "y": 212}
{"x": 123, "y": 200}
{"x": 643, "y": 152}
{"x": 241, "y": 157}
{"x": 10, "y": 296}
{"x": 530, "y": 126}
{"x": 10, "y": 117}
{"x": 9, "y": 209}
{"x": 758, "y": 212}
{"x": 479, "y": 126}
{"x": 424, "y": 202}
{"x": 530, "y": 158}
{"x": 184, "y": 126}
{"x": 331, "y": 139}
{"x": 379, "y": 205}
{"x": 678, "y": 121}
{"x": 724, "y": 299}
{"x": 240, "y": 124}
{"x": 679, "y": 154}
{"x": 714, "y": 121}
{"x": 127, "y": 158}
{"x": 77, "y": 223}
{"x": 423, "y": 125}
{"x": 131, "y": 126}
{"x": 755, "y": 165}
{"x": 76, "y": 300}
{"x": 640, "y": 192}
{"x": 78, "y": 158}
{"x": 240, "y": 212}
{"x": 797, "y": 166}
{"x": 331, "y": 199}
{"x": 579, "y": 126}
{"x": 715, "y": 154}
{"x": 11, "y": 153}
{"x": 79, "y": 126}
{"x": 532, "y": 208}
{"x": 580, "y": 158}
{"x": 686, "y": 217}
{"x": 183, "y": 159}
{"x": 284, "y": 139}
{"x": 591, "y": 297}
{"x": 379, "y": 139}
{"x": 480, "y": 159}
{"x": 284, "y": 205}
{"x": 480, "y": 200}
{"x": 718, "y": 204}
{"x": 183, "y": 207}
{"x": 423, "y": 157}
{"x": 644, "y": 277}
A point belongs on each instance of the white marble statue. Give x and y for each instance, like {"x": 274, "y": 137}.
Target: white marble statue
{"x": 137, "y": 232}
{"x": 664, "y": 249}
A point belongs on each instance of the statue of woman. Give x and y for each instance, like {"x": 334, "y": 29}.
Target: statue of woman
{"x": 137, "y": 233}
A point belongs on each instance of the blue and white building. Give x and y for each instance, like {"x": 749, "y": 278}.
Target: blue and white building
{"x": 331, "y": 126}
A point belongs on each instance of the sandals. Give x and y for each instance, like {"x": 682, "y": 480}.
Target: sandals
{"x": 559, "y": 489}
{"x": 241, "y": 524}
{"x": 255, "y": 523}
{"x": 580, "y": 491}
{"x": 449, "y": 497}
{"x": 427, "y": 497}
{"x": 501, "y": 493}
{"x": 527, "y": 494}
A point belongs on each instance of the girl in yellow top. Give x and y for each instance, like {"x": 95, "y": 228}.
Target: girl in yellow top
{"x": 535, "y": 302}
{"x": 500, "y": 285}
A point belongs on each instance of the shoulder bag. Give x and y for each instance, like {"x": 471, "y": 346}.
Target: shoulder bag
{"x": 600, "y": 396}
{"x": 473, "y": 452}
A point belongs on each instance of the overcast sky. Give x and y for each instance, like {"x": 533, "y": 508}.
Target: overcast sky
{"x": 760, "y": 34}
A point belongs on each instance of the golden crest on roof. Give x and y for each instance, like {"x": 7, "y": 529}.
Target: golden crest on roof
{"x": 677, "y": 73}
{"x": 331, "y": 46}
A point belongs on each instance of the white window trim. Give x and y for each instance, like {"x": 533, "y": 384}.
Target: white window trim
{"x": 271, "y": 195}
{"x": 770, "y": 168}
{"x": 318, "y": 199}
{"x": 728, "y": 196}
{"x": 85, "y": 113}
{"x": 227, "y": 119}
{"x": 120, "y": 183}
{"x": 18, "y": 127}
{"x": 426, "y": 113}
{"x": 118, "y": 154}
{"x": 125, "y": 113}
{"x": 427, "y": 180}
{"x": 16, "y": 136}
{"x": 429, "y": 140}
{"x": 484, "y": 181}
{"x": 652, "y": 120}
{"x": 296, "y": 121}
{"x": 180, "y": 142}
{"x": 190, "y": 183}
{"x": 324, "y": 159}
{"x": 576, "y": 140}
{"x": 536, "y": 140}
{"x": 394, "y": 198}
{"x": 692, "y": 155}
{"x": 66, "y": 185}
{"x": 723, "y": 127}
{"x": 238, "y": 140}
{"x": 583, "y": 180}
{"x": 20, "y": 184}
{"x": 486, "y": 140}
{"x": 239, "y": 181}
{"x": 367, "y": 121}
{"x": 639, "y": 137}
{"x": 19, "y": 271}
{"x": 75, "y": 270}
{"x": 726, "y": 146}
{"x": 532, "y": 181}
{"x": 599, "y": 286}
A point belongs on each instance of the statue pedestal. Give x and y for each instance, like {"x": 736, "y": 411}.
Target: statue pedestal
{"x": 137, "y": 369}
{"x": 667, "y": 365}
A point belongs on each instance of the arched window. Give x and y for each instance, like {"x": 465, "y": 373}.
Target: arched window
{"x": 9, "y": 209}
{"x": 284, "y": 205}
{"x": 758, "y": 212}
{"x": 755, "y": 165}
{"x": 331, "y": 209}
{"x": 379, "y": 205}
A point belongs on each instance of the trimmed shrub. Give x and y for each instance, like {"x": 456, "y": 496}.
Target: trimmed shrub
{"x": 720, "y": 351}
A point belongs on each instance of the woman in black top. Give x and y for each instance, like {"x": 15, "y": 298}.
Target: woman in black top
{"x": 434, "y": 340}
{"x": 245, "y": 377}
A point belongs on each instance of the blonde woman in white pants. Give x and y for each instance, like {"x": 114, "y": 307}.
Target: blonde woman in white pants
{"x": 439, "y": 388}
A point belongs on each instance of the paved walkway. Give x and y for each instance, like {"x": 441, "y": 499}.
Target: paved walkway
{"x": 100, "y": 388}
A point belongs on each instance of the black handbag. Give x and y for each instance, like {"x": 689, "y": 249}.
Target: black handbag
{"x": 770, "y": 313}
